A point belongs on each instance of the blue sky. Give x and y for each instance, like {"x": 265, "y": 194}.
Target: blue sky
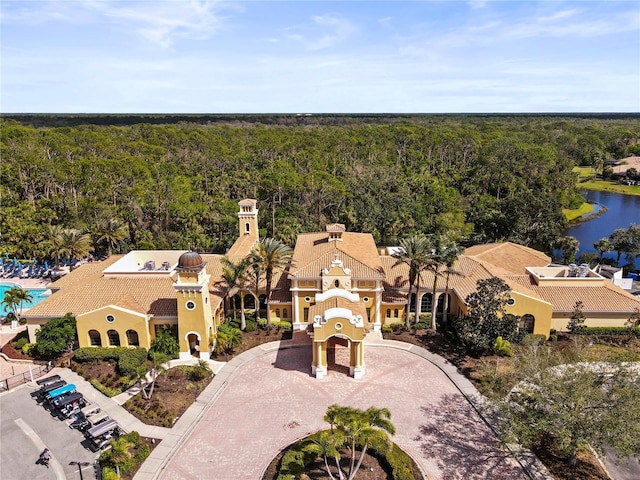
{"x": 199, "y": 56}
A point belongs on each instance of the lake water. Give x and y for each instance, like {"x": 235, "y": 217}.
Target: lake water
{"x": 622, "y": 211}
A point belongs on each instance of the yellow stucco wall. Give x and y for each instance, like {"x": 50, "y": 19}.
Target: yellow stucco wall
{"x": 123, "y": 320}
{"x": 199, "y": 320}
{"x": 541, "y": 311}
{"x": 330, "y": 329}
{"x": 387, "y": 320}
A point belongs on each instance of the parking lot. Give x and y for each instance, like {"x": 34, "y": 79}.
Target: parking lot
{"x": 26, "y": 427}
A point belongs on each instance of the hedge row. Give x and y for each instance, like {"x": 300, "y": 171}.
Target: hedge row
{"x": 128, "y": 359}
{"x": 608, "y": 331}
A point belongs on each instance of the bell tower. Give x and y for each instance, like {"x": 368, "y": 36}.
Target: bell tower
{"x": 195, "y": 318}
{"x": 248, "y": 218}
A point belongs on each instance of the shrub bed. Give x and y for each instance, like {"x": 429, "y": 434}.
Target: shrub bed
{"x": 128, "y": 360}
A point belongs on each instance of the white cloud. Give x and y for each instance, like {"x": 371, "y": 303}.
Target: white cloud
{"x": 161, "y": 22}
{"x": 325, "y": 32}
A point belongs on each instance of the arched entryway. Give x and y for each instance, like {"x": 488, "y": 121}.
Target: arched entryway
{"x": 193, "y": 339}
{"x": 339, "y": 355}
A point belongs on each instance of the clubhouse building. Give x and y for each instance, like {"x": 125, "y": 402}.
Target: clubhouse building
{"x": 339, "y": 287}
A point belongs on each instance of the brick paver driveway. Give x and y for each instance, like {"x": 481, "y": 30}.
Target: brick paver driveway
{"x": 273, "y": 401}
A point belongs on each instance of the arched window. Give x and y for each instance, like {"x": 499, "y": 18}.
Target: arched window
{"x": 336, "y": 283}
{"x": 94, "y": 338}
{"x": 527, "y": 322}
{"x": 132, "y": 338}
{"x": 247, "y": 227}
{"x": 425, "y": 303}
{"x": 285, "y": 313}
{"x": 395, "y": 313}
{"x": 278, "y": 312}
{"x": 114, "y": 338}
{"x": 388, "y": 313}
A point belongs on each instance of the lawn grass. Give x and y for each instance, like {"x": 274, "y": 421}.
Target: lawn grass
{"x": 572, "y": 214}
{"x": 589, "y": 181}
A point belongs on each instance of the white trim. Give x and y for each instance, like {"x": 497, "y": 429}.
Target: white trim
{"x": 337, "y": 292}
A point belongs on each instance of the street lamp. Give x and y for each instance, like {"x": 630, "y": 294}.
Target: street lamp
{"x": 80, "y": 465}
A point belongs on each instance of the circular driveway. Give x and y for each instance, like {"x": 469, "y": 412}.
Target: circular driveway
{"x": 272, "y": 400}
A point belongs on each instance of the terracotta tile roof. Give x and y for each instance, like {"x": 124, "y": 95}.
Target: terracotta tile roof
{"x": 605, "y": 297}
{"x": 393, "y": 296}
{"x": 142, "y": 294}
{"x": 242, "y": 246}
{"x": 357, "y": 251}
{"x": 507, "y": 257}
{"x": 85, "y": 272}
{"x": 281, "y": 290}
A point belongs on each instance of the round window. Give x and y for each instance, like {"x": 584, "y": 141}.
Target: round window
{"x": 338, "y": 326}
{"x": 511, "y": 302}
{"x": 365, "y": 299}
{"x": 110, "y": 318}
{"x": 191, "y": 305}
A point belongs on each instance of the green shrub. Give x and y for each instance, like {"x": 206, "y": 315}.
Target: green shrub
{"x": 129, "y": 360}
{"x": 251, "y": 326}
{"x": 27, "y": 348}
{"x": 422, "y": 325}
{"x": 398, "y": 462}
{"x": 608, "y": 331}
{"x": 281, "y": 325}
{"x": 397, "y": 326}
{"x": 20, "y": 343}
{"x": 386, "y": 328}
{"x": 531, "y": 339}
{"x": 109, "y": 392}
{"x": 109, "y": 473}
{"x": 553, "y": 338}
{"x": 425, "y": 318}
{"x": 262, "y": 322}
{"x": 95, "y": 354}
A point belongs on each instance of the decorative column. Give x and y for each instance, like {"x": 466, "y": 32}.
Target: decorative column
{"x": 320, "y": 370}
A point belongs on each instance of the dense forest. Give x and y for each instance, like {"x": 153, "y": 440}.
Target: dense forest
{"x": 177, "y": 184}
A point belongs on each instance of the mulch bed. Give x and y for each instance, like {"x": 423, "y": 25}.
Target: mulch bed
{"x": 172, "y": 395}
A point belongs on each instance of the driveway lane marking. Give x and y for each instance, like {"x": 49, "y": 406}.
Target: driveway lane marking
{"x": 37, "y": 441}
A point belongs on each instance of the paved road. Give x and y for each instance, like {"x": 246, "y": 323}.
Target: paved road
{"x": 621, "y": 469}
{"x": 25, "y": 429}
{"x": 272, "y": 400}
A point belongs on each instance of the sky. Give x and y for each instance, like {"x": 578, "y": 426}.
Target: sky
{"x": 206, "y": 56}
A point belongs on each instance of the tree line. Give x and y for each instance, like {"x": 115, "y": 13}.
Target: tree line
{"x": 177, "y": 185}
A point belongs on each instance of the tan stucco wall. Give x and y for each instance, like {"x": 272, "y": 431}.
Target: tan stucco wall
{"x": 392, "y": 319}
{"x": 124, "y": 320}
{"x": 603, "y": 319}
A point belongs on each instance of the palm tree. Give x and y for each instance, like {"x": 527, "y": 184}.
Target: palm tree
{"x": 413, "y": 252}
{"x": 112, "y": 232}
{"x": 270, "y": 255}
{"x": 370, "y": 427}
{"x": 602, "y": 246}
{"x": 235, "y": 276}
{"x": 442, "y": 253}
{"x": 75, "y": 244}
{"x": 10, "y": 300}
{"x": 327, "y": 445}
{"x": 22, "y": 295}
{"x": 451, "y": 256}
{"x": 52, "y": 242}
{"x": 119, "y": 452}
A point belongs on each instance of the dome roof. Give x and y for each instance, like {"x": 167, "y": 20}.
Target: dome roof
{"x": 190, "y": 260}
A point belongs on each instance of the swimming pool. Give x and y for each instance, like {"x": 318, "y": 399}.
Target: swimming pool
{"x": 38, "y": 295}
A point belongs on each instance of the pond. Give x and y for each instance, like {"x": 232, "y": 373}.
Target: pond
{"x": 622, "y": 211}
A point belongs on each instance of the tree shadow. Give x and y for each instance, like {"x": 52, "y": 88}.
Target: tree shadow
{"x": 461, "y": 445}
